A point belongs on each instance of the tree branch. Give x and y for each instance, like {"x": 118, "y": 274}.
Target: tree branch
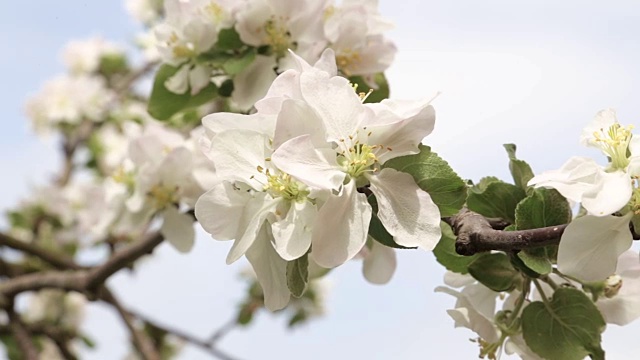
{"x": 476, "y": 234}
{"x": 208, "y": 345}
{"x": 22, "y": 336}
{"x": 140, "y": 339}
{"x": 59, "y": 261}
{"x": 123, "y": 258}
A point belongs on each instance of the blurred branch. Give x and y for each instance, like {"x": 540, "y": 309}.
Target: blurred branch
{"x": 22, "y": 336}
{"x": 476, "y": 234}
{"x": 140, "y": 339}
{"x": 208, "y": 345}
{"x": 59, "y": 261}
{"x": 135, "y": 76}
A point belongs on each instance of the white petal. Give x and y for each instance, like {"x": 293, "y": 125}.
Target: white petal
{"x": 379, "y": 264}
{"x": 299, "y": 158}
{"x": 237, "y": 155}
{"x": 253, "y": 217}
{"x": 292, "y": 234}
{"x": 474, "y": 310}
{"x": 253, "y": 82}
{"x": 613, "y": 193}
{"x": 270, "y": 270}
{"x": 406, "y": 211}
{"x": 175, "y": 168}
{"x": 405, "y": 130}
{"x": 336, "y": 103}
{"x": 602, "y": 121}
{"x": 199, "y": 78}
{"x": 577, "y": 176}
{"x": 624, "y": 307}
{"x": 297, "y": 118}
{"x": 177, "y": 229}
{"x": 219, "y": 210}
{"x": 220, "y": 121}
{"x": 345, "y": 224}
{"x": 178, "y": 83}
{"x": 590, "y": 246}
{"x": 457, "y": 280}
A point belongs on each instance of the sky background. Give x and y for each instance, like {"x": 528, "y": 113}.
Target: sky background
{"x": 527, "y": 72}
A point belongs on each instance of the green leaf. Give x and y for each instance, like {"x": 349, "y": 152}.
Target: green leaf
{"x": 229, "y": 39}
{"x": 520, "y": 170}
{"x": 566, "y": 328}
{"x": 497, "y": 199}
{"x": 163, "y": 103}
{"x": 446, "y": 255}
{"x": 483, "y": 183}
{"x": 542, "y": 208}
{"x": 377, "y": 230}
{"x": 435, "y": 176}
{"x": 537, "y": 260}
{"x": 495, "y": 272}
{"x": 298, "y": 275}
{"x": 377, "y": 95}
{"x": 88, "y": 342}
{"x": 235, "y": 65}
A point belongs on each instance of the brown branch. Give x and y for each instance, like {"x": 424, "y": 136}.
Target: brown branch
{"x": 208, "y": 345}
{"x": 22, "y": 336}
{"x": 475, "y": 234}
{"x": 59, "y": 261}
{"x": 134, "y": 76}
{"x": 143, "y": 343}
{"x": 123, "y": 258}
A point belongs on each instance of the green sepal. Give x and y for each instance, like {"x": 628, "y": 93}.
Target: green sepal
{"x": 298, "y": 275}
{"x": 566, "y": 328}
{"x": 163, "y": 103}
{"x": 495, "y": 272}
{"x": 433, "y": 175}
{"x": 446, "y": 255}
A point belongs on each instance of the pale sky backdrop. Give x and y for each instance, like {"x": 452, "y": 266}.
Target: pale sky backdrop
{"x": 529, "y": 72}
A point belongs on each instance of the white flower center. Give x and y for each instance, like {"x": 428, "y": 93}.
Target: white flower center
{"x": 179, "y": 49}
{"x": 346, "y": 59}
{"x": 163, "y": 195}
{"x": 278, "y": 36}
{"x": 614, "y": 141}
{"x": 358, "y": 159}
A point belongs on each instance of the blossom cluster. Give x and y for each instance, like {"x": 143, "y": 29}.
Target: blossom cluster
{"x": 189, "y": 36}
{"x": 293, "y": 176}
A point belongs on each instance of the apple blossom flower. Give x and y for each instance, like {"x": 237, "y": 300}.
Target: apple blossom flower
{"x": 355, "y": 31}
{"x": 85, "y": 56}
{"x": 353, "y": 143}
{"x": 70, "y": 100}
{"x": 189, "y": 29}
{"x": 590, "y": 245}
{"x": 145, "y": 11}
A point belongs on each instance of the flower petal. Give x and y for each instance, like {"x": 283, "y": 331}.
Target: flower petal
{"x": 613, "y": 193}
{"x": 379, "y": 264}
{"x": 270, "y": 270}
{"x": 177, "y": 229}
{"x": 345, "y": 224}
{"x": 590, "y": 246}
{"x": 405, "y": 210}
{"x": 336, "y": 103}
{"x": 292, "y": 234}
{"x": 290, "y": 124}
{"x": 299, "y": 158}
{"x": 577, "y": 176}
{"x": 253, "y": 82}
{"x": 219, "y": 210}
{"x": 237, "y": 155}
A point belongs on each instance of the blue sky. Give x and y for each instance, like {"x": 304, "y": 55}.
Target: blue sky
{"x": 529, "y": 72}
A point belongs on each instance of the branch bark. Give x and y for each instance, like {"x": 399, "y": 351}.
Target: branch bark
{"x": 22, "y": 336}
{"x": 476, "y": 234}
{"x": 59, "y": 261}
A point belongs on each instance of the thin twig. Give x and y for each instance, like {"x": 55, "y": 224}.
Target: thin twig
{"x": 208, "y": 345}
{"x": 58, "y": 260}
{"x": 22, "y": 336}
{"x": 140, "y": 339}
